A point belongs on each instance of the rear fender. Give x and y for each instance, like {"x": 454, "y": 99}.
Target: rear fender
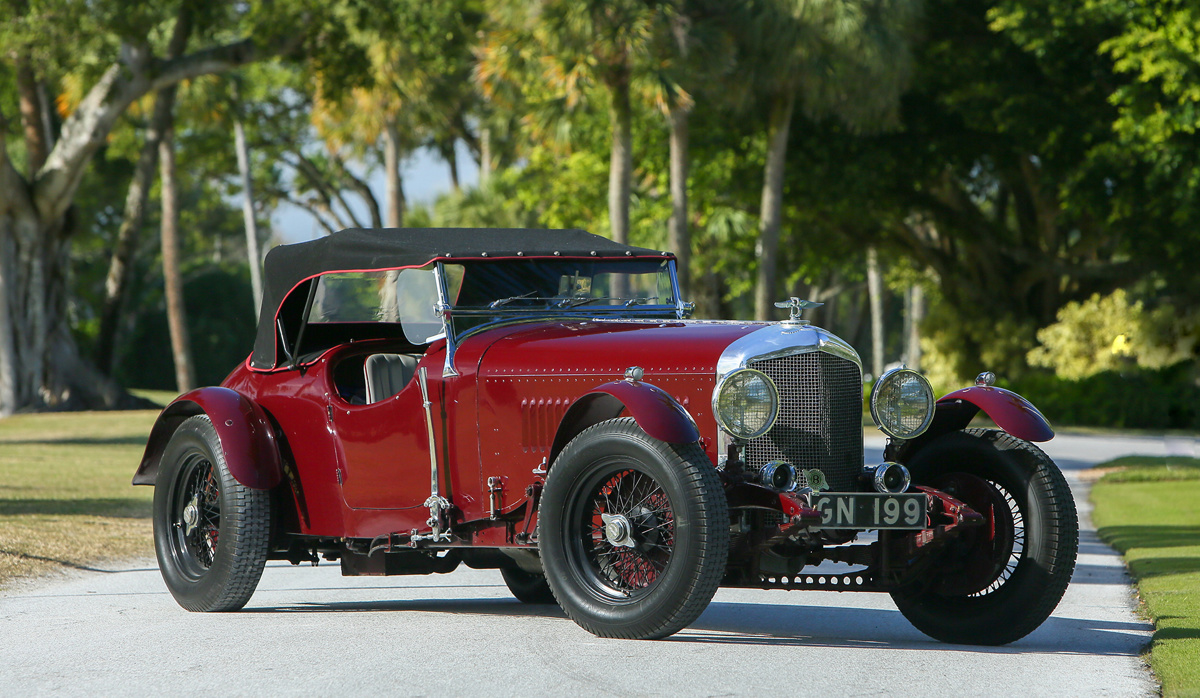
{"x": 243, "y": 428}
{"x": 656, "y": 412}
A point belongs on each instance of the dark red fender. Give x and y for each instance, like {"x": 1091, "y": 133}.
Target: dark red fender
{"x": 654, "y": 410}
{"x": 242, "y": 426}
{"x": 1009, "y": 411}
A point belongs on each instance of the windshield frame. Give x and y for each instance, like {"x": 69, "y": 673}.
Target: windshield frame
{"x": 505, "y": 315}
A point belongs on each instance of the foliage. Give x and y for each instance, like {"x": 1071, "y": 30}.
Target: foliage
{"x": 1135, "y": 398}
{"x": 1156, "y": 526}
{"x": 1041, "y": 159}
{"x": 222, "y": 325}
{"x": 1110, "y": 333}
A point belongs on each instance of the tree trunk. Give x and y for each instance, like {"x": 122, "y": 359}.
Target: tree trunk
{"x": 620, "y": 172}
{"x": 393, "y": 186}
{"x": 36, "y": 141}
{"x": 9, "y": 380}
{"x": 485, "y": 157}
{"x": 915, "y": 313}
{"x": 451, "y": 154}
{"x": 253, "y": 255}
{"x": 181, "y": 351}
{"x": 120, "y": 267}
{"x": 620, "y": 169}
{"x": 771, "y": 217}
{"x": 680, "y": 241}
{"x": 40, "y": 365}
{"x": 875, "y": 287}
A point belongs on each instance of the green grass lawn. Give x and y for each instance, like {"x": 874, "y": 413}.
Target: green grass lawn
{"x": 1150, "y": 511}
{"x": 65, "y": 495}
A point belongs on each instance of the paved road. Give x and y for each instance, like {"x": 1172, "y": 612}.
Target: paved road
{"x": 308, "y": 630}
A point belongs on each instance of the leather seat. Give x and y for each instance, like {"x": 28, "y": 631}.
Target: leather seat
{"x": 387, "y": 374}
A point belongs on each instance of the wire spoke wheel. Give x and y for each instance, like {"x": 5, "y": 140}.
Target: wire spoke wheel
{"x": 998, "y": 582}
{"x": 633, "y": 532}
{"x": 211, "y": 533}
{"x": 196, "y": 505}
{"x": 626, "y": 532}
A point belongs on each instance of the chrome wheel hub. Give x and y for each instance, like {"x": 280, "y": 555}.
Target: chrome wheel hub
{"x": 617, "y": 530}
{"x": 191, "y": 515}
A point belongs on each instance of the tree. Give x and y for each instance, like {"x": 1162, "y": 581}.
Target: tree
{"x": 692, "y": 57}
{"x": 848, "y": 59}
{"x": 568, "y": 46}
{"x": 40, "y": 365}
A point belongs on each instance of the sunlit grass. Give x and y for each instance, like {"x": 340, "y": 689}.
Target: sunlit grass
{"x": 1149, "y": 511}
{"x": 160, "y": 397}
{"x": 65, "y": 495}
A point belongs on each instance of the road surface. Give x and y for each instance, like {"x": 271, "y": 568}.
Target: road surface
{"x": 308, "y": 630}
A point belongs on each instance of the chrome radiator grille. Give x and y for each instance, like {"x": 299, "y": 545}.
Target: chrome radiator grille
{"x": 820, "y": 418}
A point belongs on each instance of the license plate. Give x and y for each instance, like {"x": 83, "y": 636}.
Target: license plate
{"x": 870, "y": 510}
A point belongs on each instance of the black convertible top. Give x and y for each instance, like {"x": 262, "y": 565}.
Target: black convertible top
{"x": 373, "y": 249}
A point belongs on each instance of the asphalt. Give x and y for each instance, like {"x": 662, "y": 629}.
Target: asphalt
{"x": 307, "y": 630}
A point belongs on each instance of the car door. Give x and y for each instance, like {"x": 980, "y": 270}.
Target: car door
{"x": 383, "y": 449}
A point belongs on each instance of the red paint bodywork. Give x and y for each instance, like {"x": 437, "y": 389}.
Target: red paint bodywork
{"x": 361, "y": 471}
{"x": 655, "y": 411}
{"x": 1009, "y": 411}
{"x": 246, "y": 435}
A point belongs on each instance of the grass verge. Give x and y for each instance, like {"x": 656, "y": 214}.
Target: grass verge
{"x": 65, "y": 495}
{"x": 1147, "y": 508}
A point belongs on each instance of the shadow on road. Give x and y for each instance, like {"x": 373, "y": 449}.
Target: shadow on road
{"x": 483, "y": 607}
{"x": 783, "y": 625}
{"x": 819, "y": 626}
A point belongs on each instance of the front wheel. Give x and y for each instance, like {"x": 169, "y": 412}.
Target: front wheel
{"x": 998, "y": 582}
{"x": 211, "y": 533}
{"x": 633, "y": 532}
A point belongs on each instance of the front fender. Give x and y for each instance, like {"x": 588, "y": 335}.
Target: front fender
{"x": 245, "y": 432}
{"x": 656, "y": 412}
{"x": 1009, "y": 411}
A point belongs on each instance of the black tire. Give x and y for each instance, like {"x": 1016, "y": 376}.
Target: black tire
{"x": 667, "y": 566}
{"x": 994, "y": 588}
{"x": 211, "y": 533}
{"x": 528, "y": 587}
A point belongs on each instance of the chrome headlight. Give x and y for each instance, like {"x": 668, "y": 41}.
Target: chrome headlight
{"x": 746, "y": 403}
{"x": 902, "y": 403}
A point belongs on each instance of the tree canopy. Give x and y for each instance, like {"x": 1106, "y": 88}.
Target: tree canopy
{"x": 1030, "y": 166}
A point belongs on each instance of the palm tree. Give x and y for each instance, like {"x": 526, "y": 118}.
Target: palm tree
{"x": 847, "y": 59}
{"x": 570, "y": 47}
{"x": 692, "y": 56}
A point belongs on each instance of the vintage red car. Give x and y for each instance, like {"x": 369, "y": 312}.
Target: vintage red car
{"x": 538, "y": 401}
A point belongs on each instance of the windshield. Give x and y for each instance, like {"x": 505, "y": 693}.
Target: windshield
{"x": 404, "y": 302}
{"x": 490, "y": 291}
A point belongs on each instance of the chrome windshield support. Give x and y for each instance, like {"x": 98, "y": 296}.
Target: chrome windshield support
{"x": 439, "y": 506}
{"x": 443, "y": 311}
{"x": 683, "y": 309}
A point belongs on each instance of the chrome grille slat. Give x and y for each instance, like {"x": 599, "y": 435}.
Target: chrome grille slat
{"x": 820, "y": 418}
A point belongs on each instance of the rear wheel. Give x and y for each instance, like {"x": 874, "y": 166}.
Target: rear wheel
{"x": 998, "y": 582}
{"x": 211, "y": 533}
{"x": 527, "y": 587}
{"x": 633, "y": 532}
